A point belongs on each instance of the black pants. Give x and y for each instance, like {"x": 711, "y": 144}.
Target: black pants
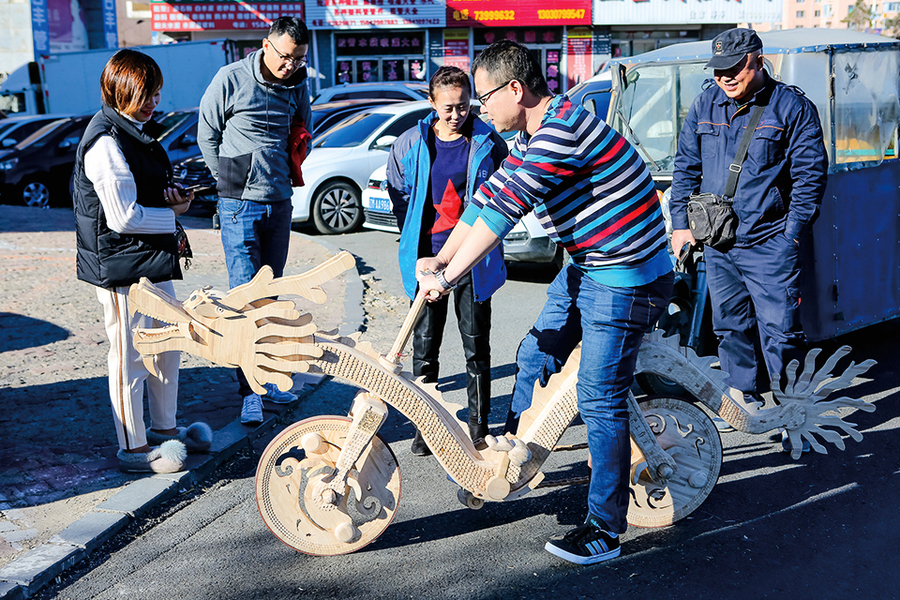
{"x": 475, "y": 328}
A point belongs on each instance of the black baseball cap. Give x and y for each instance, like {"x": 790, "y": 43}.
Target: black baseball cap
{"x": 730, "y": 47}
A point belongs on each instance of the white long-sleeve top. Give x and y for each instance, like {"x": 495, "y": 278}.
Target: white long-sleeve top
{"x": 106, "y": 168}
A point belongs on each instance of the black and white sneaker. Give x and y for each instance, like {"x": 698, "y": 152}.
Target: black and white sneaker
{"x": 586, "y": 544}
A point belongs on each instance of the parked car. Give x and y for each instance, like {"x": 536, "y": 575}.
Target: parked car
{"x": 193, "y": 172}
{"x": 594, "y": 94}
{"x": 179, "y": 136}
{"x": 328, "y": 114}
{"x": 341, "y": 161}
{"x": 37, "y": 170}
{"x": 15, "y": 129}
{"x": 526, "y": 242}
{"x": 396, "y": 90}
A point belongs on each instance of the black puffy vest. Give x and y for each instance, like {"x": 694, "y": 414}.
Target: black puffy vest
{"x": 106, "y": 258}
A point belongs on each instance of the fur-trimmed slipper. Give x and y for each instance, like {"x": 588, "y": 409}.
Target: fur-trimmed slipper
{"x": 167, "y": 458}
{"x": 196, "y": 436}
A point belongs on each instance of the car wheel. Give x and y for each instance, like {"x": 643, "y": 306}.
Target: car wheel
{"x": 36, "y": 194}
{"x": 337, "y": 208}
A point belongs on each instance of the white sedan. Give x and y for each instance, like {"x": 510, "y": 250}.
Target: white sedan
{"x": 341, "y": 160}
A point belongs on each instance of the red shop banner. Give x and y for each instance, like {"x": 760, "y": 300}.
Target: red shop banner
{"x": 207, "y": 16}
{"x": 521, "y": 13}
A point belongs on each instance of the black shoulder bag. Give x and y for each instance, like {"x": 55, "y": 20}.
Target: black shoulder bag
{"x": 711, "y": 217}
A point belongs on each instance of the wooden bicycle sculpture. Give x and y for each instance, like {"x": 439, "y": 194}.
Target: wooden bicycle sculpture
{"x": 330, "y": 485}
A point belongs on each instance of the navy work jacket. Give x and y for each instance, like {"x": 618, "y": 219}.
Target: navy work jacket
{"x": 783, "y": 177}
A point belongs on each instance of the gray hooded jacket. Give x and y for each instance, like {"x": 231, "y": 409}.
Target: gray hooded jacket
{"x": 243, "y": 130}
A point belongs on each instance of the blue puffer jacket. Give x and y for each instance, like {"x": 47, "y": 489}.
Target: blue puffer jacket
{"x": 408, "y": 179}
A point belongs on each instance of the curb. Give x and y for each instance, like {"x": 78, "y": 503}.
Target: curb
{"x": 29, "y": 573}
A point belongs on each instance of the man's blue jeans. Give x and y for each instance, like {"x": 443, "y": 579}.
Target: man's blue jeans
{"x": 610, "y": 322}
{"x": 253, "y": 234}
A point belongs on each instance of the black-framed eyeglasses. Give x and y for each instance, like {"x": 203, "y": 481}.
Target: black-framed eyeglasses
{"x": 484, "y": 97}
{"x": 297, "y": 62}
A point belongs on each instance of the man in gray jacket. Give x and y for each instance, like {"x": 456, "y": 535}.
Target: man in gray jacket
{"x": 245, "y": 119}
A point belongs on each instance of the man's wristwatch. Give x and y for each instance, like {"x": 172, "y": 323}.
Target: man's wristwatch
{"x": 439, "y": 275}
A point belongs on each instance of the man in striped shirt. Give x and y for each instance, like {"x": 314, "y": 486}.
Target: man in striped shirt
{"x": 594, "y": 196}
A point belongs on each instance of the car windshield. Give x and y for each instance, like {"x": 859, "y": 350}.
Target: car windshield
{"x": 351, "y": 131}
{"x": 171, "y": 121}
{"x": 652, "y": 107}
{"x": 42, "y": 135}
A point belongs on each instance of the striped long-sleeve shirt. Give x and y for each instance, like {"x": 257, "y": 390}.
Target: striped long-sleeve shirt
{"x": 590, "y": 191}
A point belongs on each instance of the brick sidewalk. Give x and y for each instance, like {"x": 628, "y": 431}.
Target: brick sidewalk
{"x": 57, "y": 445}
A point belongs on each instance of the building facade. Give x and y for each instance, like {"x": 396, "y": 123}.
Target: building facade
{"x": 384, "y": 40}
{"x": 832, "y": 14}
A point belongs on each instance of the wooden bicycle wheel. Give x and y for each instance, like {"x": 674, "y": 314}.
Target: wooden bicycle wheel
{"x": 298, "y": 506}
{"x": 690, "y": 437}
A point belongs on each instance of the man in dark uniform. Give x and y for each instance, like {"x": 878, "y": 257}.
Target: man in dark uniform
{"x": 754, "y": 285}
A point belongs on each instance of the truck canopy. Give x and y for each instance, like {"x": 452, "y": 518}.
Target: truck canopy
{"x": 852, "y": 259}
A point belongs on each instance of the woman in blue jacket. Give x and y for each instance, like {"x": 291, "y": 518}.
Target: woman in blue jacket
{"x": 432, "y": 173}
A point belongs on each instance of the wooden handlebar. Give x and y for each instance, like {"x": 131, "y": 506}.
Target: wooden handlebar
{"x": 408, "y": 325}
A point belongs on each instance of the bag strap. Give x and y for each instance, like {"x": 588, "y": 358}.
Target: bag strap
{"x": 734, "y": 170}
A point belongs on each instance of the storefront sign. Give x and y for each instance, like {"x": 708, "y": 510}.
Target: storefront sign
{"x": 580, "y": 56}
{"x": 362, "y": 14}
{"x": 206, "y": 16}
{"x": 489, "y": 13}
{"x": 668, "y": 12}
{"x": 553, "y": 75}
{"x": 40, "y": 27}
{"x": 523, "y": 35}
{"x": 381, "y": 43}
{"x": 456, "y": 48}
{"x": 110, "y": 27}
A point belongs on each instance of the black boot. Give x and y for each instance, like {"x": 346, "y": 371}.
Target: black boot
{"x": 419, "y": 447}
{"x": 479, "y": 391}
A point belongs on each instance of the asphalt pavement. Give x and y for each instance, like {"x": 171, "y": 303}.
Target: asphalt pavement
{"x": 61, "y": 494}
{"x": 823, "y": 526}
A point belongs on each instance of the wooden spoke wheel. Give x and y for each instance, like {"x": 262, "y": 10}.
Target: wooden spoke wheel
{"x": 690, "y": 437}
{"x": 303, "y": 511}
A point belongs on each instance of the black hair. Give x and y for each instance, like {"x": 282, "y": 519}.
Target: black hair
{"x": 506, "y": 60}
{"x": 449, "y": 77}
{"x": 292, "y": 26}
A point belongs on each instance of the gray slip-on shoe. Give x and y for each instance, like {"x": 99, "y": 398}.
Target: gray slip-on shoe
{"x": 169, "y": 457}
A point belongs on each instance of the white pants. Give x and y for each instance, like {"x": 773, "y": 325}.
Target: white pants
{"x": 127, "y": 372}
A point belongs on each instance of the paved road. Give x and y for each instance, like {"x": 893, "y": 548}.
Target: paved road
{"x": 825, "y": 526}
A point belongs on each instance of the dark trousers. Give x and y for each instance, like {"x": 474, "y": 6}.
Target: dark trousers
{"x": 475, "y": 328}
{"x": 755, "y": 296}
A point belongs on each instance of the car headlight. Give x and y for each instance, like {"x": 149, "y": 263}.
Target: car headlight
{"x": 6, "y": 165}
